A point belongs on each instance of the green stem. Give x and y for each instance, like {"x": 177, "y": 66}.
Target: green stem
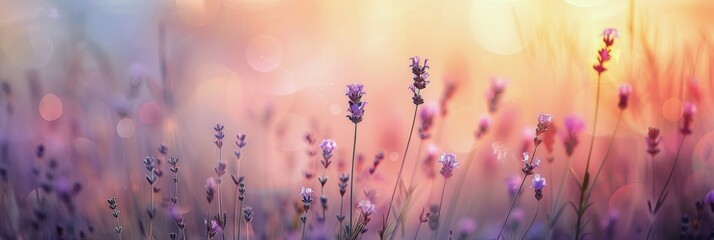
{"x": 607, "y": 154}
{"x": 438, "y": 213}
{"x": 459, "y": 183}
{"x": 401, "y": 168}
{"x": 303, "y": 226}
{"x": 352, "y": 173}
{"x": 239, "y": 221}
{"x": 585, "y": 182}
{"x": 403, "y": 213}
{"x": 342, "y": 201}
{"x": 515, "y": 197}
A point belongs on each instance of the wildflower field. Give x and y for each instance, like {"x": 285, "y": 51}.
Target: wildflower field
{"x": 276, "y": 119}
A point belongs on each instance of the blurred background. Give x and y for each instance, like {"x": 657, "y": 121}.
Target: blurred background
{"x": 102, "y": 84}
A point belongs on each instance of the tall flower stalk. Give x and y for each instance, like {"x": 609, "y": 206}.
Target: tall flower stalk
{"x": 210, "y": 195}
{"x": 328, "y": 146}
{"x": 344, "y": 178}
{"x": 306, "y": 198}
{"x": 530, "y": 163}
{"x": 604, "y": 56}
{"x": 426, "y": 117}
{"x": 420, "y": 81}
{"x": 240, "y": 186}
{"x": 356, "y": 113}
{"x": 448, "y": 165}
{"x": 173, "y": 161}
{"x": 484, "y": 123}
{"x": 115, "y": 213}
{"x": 538, "y": 185}
{"x": 150, "y": 165}
{"x": 688, "y": 116}
{"x": 220, "y": 171}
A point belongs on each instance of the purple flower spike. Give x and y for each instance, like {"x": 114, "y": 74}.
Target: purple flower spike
{"x": 306, "y": 197}
{"x": 609, "y": 35}
{"x": 426, "y": 115}
{"x": 420, "y": 78}
{"x": 538, "y": 185}
{"x": 653, "y": 138}
{"x": 448, "y": 164}
{"x": 493, "y": 96}
{"x": 356, "y": 106}
{"x": 355, "y": 92}
{"x": 688, "y": 115}
{"x": 538, "y": 182}
{"x": 625, "y": 91}
{"x": 366, "y": 207}
{"x": 573, "y": 126}
{"x": 328, "y": 146}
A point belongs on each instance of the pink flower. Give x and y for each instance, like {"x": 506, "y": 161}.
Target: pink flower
{"x": 688, "y": 115}
{"x": 210, "y": 189}
{"x": 483, "y": 124}
{"x": 573, "y": 126}
{"x": 426, "y": 116}
{"x": 609, "y": 35}
{"x": 493, "y": 96}
{"x": 625, "y": 91}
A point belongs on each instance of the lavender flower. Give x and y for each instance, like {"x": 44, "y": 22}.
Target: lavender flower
{"x": 573, "y": 126}
{"x": 448, "y": 164}
{"x": 240, "y": 143}
{"x": 493, "y": 96}
{"x": 115, "y": 213}
{"x": 210, "y": 189}
{"x": 420, "y": 79}
{"x": 344, "y": 178}
{"x": 356, "y": 106}
{"x": 653, "y": 138}
{"x": 608, "y": 37}
{"x": 512, "y": 184}
{"x": 221, "y": 168}
{"x": 625, "y": 91}
{"x": 544, "y": 121}
{"x": 219, "y": 135}
{"x": 688, "y": 115}
{"x": 529, "y": 166}
{"x": 366, "y": 207}
{"x": 483, "y": 123}
{"x": 538, "y": 185}
{"x": 328, "y": 146}
{"x": 426, "y": 116}
{"x": 306, "y": 197}
{"x": 247, "y": 214}
{"x": 377, "y": 160}
{"x": 446, "y": 95}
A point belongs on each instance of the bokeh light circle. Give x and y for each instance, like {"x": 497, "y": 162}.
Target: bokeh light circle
{"x": 335, "y": 109}
{"x": 126, "y": 128}
{"x": 150, "y": 113}
{"x": 264, "y": 53}
{"x": 30, "y": 48}
{"x": 672, "y": 109}
{"x": 50, "y": 107}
